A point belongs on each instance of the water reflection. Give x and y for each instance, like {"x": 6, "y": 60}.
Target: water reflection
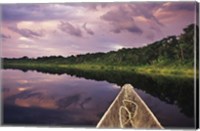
{"x": 36, "y": 98}
{"x": 162, "y": 94}
{"x": 169, "y": 115}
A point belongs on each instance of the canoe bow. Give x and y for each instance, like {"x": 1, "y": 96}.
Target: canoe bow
{"x": 128, "y": 110}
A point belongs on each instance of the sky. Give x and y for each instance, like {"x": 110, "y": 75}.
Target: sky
{"x": 66, "y": 29}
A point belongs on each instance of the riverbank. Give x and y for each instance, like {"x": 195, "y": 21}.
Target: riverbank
{"x": 148, "y": 70}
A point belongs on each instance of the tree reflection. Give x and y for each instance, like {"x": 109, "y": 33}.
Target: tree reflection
{"x": 171, "y": 89}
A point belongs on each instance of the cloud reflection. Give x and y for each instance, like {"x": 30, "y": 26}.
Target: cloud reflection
{"x": 36, "y": 97}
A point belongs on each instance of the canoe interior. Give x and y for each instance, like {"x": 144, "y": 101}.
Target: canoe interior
{"x": 128, "y": 110}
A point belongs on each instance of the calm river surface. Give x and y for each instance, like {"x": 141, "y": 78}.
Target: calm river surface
{"x": 79, "y": 98}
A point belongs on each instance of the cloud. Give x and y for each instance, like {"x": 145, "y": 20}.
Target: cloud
{"x": 27, "y": 32}
{"x": 70, "y": 29}
{"x": 146, "y": 10}
{"x": 130, "y": 27}
{"x": 171, "y": 12}
{"x": 89, "y": 31}
{"x": 3, "y": 36}
{"x": 121, "y": 20}
{"x": 25, "y": 39}
{"x": 134, "y": 29}
{"x": 89, "y": 6}
{"x": 119, "y": 14}
{"x": 179, "y": 6}
{"x": 36, "y": 12}
{"x": 19, "y": 12}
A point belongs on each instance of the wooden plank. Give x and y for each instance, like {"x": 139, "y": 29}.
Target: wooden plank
{"x": 128, "y": 110}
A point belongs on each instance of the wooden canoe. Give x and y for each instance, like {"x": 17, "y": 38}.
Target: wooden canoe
{"x": 128, "y": 110}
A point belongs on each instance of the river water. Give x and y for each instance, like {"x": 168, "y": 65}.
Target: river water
{"x": 76, "y": 98}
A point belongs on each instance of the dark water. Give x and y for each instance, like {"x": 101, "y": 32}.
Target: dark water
{"x": 79, "y": 98}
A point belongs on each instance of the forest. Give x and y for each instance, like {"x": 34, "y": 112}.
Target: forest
{"x": 171, "y": 55}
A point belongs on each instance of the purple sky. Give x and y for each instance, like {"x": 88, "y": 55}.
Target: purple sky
{"x": 68, "y": 29}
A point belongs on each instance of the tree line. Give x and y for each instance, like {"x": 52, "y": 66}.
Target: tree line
{"x": 169, "y": 50}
